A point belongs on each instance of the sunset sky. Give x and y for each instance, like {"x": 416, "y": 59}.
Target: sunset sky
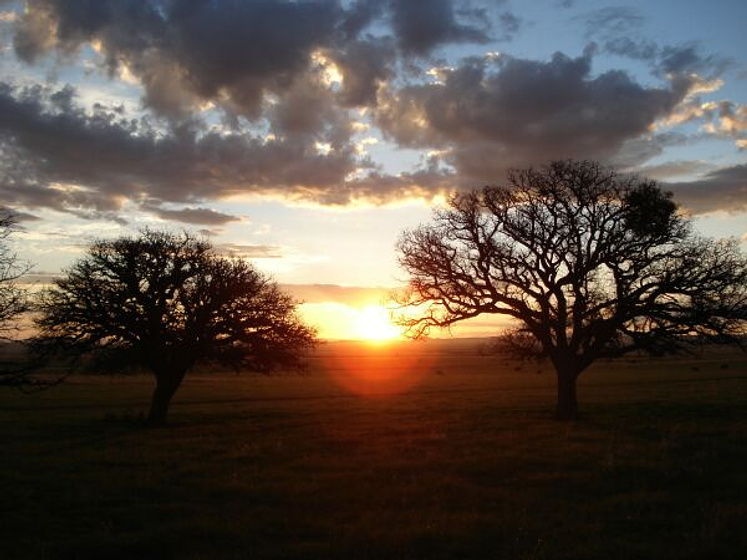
{"x": 307, "y": 135}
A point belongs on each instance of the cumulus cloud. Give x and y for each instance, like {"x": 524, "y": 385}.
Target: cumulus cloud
{"x": 236, "y": 54}
{"x": 365, "y": 65}
{"x": 421, "y": 25}
{"x": 56, "y": 155}
{"x": 723, "y": 189}
{"x": 208, "y": 50}
{"x": 48, "y": 144}
{"x": 202, "y": 216}
{"x": 517, "y": 112}
{"x": 270, "y": 98}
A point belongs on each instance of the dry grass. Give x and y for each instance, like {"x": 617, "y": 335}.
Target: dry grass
{"x": 431, "y": 452}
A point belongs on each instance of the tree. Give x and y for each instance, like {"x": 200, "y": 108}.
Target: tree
{"x": 165, "y": 302}
{"x": 586, "y": 262}
{"x": 12, "y": 297}
{"x": 13, "y": 300}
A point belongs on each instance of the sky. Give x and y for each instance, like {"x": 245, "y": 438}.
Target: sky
{"x": 308, "y": 135}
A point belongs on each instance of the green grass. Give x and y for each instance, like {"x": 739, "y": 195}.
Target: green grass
{"x": 456, "y": 456}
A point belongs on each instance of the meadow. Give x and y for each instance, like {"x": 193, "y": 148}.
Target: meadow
{"x": 405, "y": 451}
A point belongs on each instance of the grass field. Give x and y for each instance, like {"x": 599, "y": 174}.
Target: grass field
{"x": 411, "y": 451}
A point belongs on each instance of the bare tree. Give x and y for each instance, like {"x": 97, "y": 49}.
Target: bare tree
{"x": 587, "y": 263}
{"x": 13, "y": 300}
{"x": 166, "y": 302}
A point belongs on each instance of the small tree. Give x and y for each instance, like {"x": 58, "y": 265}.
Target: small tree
{"x": 588, "y": 264}
{"x": 166, "y": 302}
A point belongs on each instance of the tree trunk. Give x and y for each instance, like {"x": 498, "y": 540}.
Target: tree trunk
{"x": 166, "y": 386}
{"x": 567, "y": 403}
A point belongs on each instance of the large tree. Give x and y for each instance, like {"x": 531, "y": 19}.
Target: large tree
{"x": 165, "y": 302}
{"x": 588, "y": 264}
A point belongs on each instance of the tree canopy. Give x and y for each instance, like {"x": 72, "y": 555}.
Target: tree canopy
{"x": 165, "y": 302}
{"x": 587, "y": 262}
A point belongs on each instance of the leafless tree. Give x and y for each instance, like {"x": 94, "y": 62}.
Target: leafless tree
{"x": 588, "y": 264}
{"x": 13, "y": 300}
{"x": 165, "y": 302}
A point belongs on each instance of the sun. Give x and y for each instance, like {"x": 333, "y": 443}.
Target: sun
{"x": 373, "y": 323}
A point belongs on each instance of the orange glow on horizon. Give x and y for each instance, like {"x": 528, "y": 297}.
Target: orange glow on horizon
{"x": 366, "y": 321}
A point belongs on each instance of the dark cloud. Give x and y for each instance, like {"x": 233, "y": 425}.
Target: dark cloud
{"x": 187, "y": 51}
{"x": 689, "y": 58}
{"x": 673, "y": 169}
{"x": 262, "y": 69}
{"x": 422, "y": 25}
{"x": 17, "y": 215}
{"x": 203, "y": 216}
{"x": 669, "y": 60}
{"x": 364, "y": 65}
{"x": 724, "y": 189}
{"x": 636, "y": 151}
{"x": 234, "y": 53}
{"x": 522, "y": 111}
{"x": 53, "y": 154}
{"x": 360, "y": 15}
{"x": 104, "y": 159}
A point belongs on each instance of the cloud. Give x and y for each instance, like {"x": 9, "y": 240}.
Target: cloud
{"x": 184, "y": 52}
{"x": 202, "y": 216}
{"x": 674, "y": 169}
{"x": 19, "y": 217}
{"x": 422, "y": 25}
{"x": 365, "y": 65}
{"x": 618, "y": 28}
{"x": 723, "y": 189}
{"x": 46, "y": 161}
{"x": 509, "y": 25}
{"x": 237, "y": 55}
{"x": 636, "y": 151}
{"x": 48, "y": 142}
{"x": 267, "y": 99}
{"x": 612, "y": 20}
{"x": 517, "y": 112}
{"x": 244, "y": 251}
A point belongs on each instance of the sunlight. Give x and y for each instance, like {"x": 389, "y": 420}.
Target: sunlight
{"x": 373, "y": 323}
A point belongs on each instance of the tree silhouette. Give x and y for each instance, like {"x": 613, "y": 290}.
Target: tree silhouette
{"x": 166, "y": 302}
{"x": 588, "y": 264}
{"x": 13, "y": 300}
